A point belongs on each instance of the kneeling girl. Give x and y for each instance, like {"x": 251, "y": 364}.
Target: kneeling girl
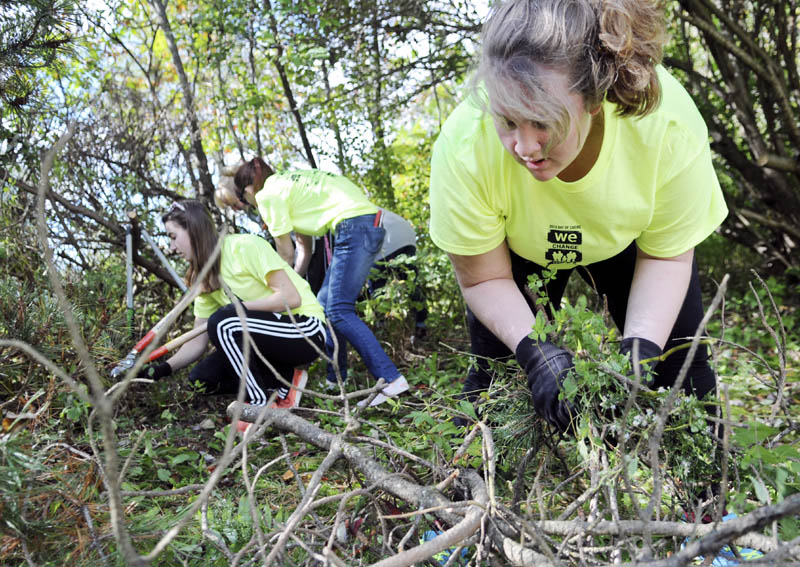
{"x": 267, "y": 286}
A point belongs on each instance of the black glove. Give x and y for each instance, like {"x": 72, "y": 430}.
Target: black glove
{"x": 546, "y": 366}
{"x": 648, "y": 351}
{"x": 155, "y": 371}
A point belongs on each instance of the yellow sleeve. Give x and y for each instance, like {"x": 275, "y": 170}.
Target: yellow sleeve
{"x": 205, "y": 305}
{"x": 466, "y": 218}
{"x": 274, "y": 210}
{"x": 689, "y": 206}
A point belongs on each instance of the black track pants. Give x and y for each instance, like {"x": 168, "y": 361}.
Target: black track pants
{"x": 283, "y": 343}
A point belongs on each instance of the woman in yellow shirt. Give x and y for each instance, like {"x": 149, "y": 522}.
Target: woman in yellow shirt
{"x": 312, "y": 203}
{"x": 269, "y": 290}
{"x": 576, "y": 151}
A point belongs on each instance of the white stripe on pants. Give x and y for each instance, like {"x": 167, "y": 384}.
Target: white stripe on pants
{"x": 228, "y": 327}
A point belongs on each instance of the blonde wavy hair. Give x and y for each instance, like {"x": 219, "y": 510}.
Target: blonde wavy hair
{"x": 608, "y": 49}
{"x": 226, "y": 194}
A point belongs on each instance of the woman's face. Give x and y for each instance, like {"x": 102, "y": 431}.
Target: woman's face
{"x": 526, "y": 140}
{"x": 179, "y": 240}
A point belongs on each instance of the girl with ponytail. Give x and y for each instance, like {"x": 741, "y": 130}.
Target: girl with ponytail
{"x": 576, "y": 151}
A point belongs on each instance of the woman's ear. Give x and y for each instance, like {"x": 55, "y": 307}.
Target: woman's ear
{"x": 250, "y": 194}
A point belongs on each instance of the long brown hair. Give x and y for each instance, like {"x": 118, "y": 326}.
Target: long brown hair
{"x": 193, "y": 216}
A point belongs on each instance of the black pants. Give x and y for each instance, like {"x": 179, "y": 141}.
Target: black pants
{"x": 283, "y": 343}
{"x": 610, "y": 278}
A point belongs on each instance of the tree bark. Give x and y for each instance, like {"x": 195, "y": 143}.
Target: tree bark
{"x": 205, "y": 189}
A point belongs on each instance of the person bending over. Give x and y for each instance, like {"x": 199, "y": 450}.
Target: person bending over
{"x": 576, "y": 151}
{"x": 311, "y": 203}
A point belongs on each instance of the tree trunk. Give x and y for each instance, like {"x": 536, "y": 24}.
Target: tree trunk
{"x": 205, "y": 189}
{"x": 287, "y": 88}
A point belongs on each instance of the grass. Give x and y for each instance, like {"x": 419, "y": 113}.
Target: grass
{"x": 51, "y": 491}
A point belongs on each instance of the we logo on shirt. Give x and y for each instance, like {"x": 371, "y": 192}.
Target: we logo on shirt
{"x": 564, "y": 245}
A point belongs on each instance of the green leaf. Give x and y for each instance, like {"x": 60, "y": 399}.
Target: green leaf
{"x": 789, "y": 528}
{"x": 317, "y": 53}
{"x": 244, "y": 510}
{"x": 754, "y": 433}
{"x": 183, "y": 457}
{"x": 569, "y": 387}
{"x": 444, "y": 428}
{"x": 231, "y": 534}
{"x": 163, "y": 474}
{"x": 467, "y": 407}
{"x": 421, "y": 417}
{"x": 761, "y": 490}
{"x": 781, "y": 475}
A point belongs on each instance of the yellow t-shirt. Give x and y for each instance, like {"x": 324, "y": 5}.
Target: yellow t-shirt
{"x": 309, "y": 202}
{"x": 653, "y": 182}
{"x": 246, "y": 261}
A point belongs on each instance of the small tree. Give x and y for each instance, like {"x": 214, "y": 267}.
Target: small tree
{"x": 739, "y": 60}
{"x": 32, "y": 34}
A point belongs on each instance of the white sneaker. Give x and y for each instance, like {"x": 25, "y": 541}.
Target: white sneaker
{"x": 391, "y": 390}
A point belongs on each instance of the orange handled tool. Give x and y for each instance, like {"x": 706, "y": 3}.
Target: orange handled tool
{"x": 128, "y": 362}
{"x": 176, "y": 342}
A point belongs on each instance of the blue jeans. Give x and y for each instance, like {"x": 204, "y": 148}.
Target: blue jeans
{"x": 356, "y": 244}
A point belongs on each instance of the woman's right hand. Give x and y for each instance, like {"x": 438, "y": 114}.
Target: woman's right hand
{"x": 546, "y": 366}
{"x": 155, "y": 371}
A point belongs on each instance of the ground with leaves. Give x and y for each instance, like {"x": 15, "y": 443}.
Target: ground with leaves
{"x": 332, "y": 483}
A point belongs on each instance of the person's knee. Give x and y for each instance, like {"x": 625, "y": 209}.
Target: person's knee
{"x": 202, "y": 381}
{"x": 210, "y": 383}
{"x": 338, "y": 314}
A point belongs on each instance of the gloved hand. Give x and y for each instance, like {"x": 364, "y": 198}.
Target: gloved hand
{"x": 648, "y": 350}
{"x": 155, "y": 371}
{"x": 546, "y": 366}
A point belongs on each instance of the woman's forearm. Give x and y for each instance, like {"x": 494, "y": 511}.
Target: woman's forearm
{"x": 304, "y": 251}
{"x": 488, "y": 287}
{"x": 189, "y": 351}
{"x": 500, "y": 306}
{"x": 277, "y": 302}
{"x": 285, "y": 248}
{"x": 657, "y": 294}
